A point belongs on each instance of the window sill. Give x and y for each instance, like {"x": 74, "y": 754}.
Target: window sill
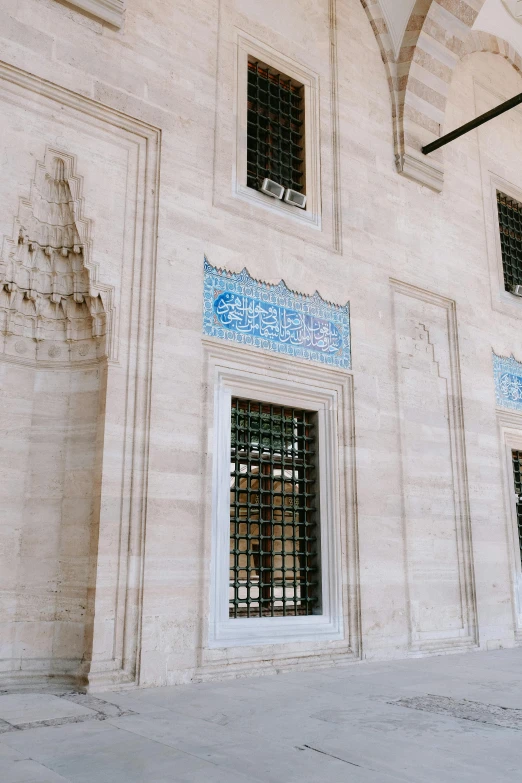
{"x": 275, "y": 630}
{"x": 275, "y": 206}
{"x": 109, "y": 11}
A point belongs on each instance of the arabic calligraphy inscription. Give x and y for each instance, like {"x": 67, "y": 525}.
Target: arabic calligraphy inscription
{"x": 239, "y": 308}
{"x": 508, "y": 382}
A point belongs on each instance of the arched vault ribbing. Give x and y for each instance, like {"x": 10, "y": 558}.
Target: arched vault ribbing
{"x": 438, "y": 35}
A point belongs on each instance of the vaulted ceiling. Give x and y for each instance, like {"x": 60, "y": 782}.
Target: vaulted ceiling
{"x": 421, "y": 43}
{"x": 493, "y": 18}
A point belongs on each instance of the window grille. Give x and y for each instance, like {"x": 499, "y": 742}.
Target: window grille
{"x": 510, "y": 222}
{"x": 517, "y": 470}
{"x": 275, "y": 132}
{"x": 274, "y": 547}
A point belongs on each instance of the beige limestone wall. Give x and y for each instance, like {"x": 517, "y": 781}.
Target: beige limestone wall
{"x": 17, "y": 404}
{"x": 49, "y": 516}
{"x": 489, "y": 319}
{"x": 171, "y": 67}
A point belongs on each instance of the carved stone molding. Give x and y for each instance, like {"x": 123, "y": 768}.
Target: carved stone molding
{"x": 435, "y": 474}
{"x": 424, "y": 170}
{"x": 128, "y": 270}
{"x": 110, "y": 11}
{"x": 249, "y": 365}
{"x": 419, "y": 69}
{"x": 45, "y": 282}
{"x": 510, "y": 437}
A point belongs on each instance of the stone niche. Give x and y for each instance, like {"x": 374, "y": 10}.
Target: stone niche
{"x": 77, "y": 274}
{"x": 437, "y": 528}
{"x": 52, "y": 368}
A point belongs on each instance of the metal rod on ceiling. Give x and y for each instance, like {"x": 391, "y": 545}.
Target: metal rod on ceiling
{"x": 489, "y": 115}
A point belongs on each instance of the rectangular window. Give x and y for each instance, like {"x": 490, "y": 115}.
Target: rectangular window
{"x": 275, "y": 128}
{"x": 274, "y": 537}
{"x": 510, "y": 223}
{"x": 276, "y": 567}
{"x": 517, "y": 471}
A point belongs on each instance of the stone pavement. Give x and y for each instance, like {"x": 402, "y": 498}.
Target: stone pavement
{"x": 447, "y": 719}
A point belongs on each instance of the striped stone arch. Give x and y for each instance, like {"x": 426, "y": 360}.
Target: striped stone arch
{"x": 436, "y": 38}
{"x": 380, "y": 28}
{"x": 478, "y": 41}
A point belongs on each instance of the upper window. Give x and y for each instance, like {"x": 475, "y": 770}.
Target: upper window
{"x": 276, "y": 150}
{"x": 510, "y": 223}
{"x": 275, "y": 134}
{"x": 274, "y": 564}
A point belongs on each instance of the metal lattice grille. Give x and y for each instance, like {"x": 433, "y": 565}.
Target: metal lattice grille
{"x": 274, "y": 568}
{"x": 517, "y": 471}
{"x": 510, "y": 221}
{"x": 275, "y": 135}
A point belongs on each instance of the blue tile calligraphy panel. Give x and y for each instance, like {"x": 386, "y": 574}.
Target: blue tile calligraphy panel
{"x": 508, "y": 382}
{"x": 250, "y": 312}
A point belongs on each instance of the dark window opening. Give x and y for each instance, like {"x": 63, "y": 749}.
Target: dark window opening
{"x": 275, "y": 133}
{"x": 517, "y": 471}
{"x": 274, "y": 544}
{"x": 510, "y": 223}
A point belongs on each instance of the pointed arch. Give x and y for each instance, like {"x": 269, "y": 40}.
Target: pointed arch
{"x": 434, "y": 42}
{"x": 479, "y": 41}
{"x": 379, "y": 26}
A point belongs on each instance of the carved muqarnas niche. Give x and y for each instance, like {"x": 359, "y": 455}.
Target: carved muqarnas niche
{"x": 46, "y": 293}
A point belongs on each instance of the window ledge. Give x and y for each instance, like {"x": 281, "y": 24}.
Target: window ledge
{"x": 275, "y": 630}
{"x": 110, "y": 11}
{"x": 276, "y": 207}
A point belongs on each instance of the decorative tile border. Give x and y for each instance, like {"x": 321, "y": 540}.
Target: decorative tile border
{"x": 508, "y": 382}
{"x": 238, "y": 308}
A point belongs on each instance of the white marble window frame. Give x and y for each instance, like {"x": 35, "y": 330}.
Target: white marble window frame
{"x": 501, "y": 300}
{"x": 510, "y": 426}
{"x": 109, "y": 11}
{"x": 247, "y": 46}
{"x": 511, "y": 302}
{"x": 496, "y": 176}
{"x": 296, "y": 390}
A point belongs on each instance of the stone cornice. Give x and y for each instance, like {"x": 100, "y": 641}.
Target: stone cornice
{"x": 422, "y": 169}
{"x": 110, "y": 11}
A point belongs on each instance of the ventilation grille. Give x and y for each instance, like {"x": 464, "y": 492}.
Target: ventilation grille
{"x": 295, "y": 198}
{"x": 271, "y": 188}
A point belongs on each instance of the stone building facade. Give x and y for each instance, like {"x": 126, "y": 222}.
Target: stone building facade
{"x": 156, "y": 305}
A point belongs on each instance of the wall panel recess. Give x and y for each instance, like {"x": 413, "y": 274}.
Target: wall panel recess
{"x": 78, "y": 386}
{"x": 437, "y": 531}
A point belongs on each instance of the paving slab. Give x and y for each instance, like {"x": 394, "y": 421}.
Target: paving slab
{"x": 27, "y": 771}
{"x": 451, "y": 719}
{"x": 23, "y": 708}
